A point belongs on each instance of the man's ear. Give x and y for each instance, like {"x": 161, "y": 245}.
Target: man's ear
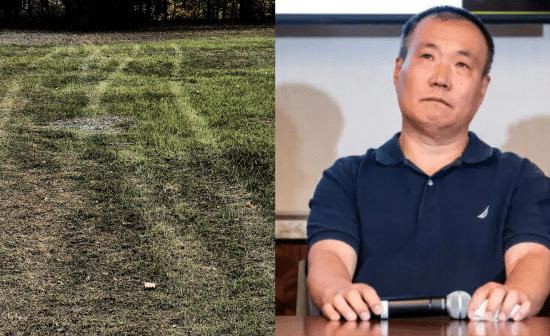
{"x": 484, "y": 85}
{"x": 398, "y": 65}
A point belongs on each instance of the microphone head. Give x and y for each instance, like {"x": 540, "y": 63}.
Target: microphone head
{"x": 457, "y": 304}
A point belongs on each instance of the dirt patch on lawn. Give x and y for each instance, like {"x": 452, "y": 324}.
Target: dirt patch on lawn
{"x": 94, "y": 125}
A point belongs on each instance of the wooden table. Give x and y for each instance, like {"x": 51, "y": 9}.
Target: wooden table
{"x": 319, "y": 326}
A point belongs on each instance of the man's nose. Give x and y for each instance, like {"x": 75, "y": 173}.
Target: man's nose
{"x": 441, "y": 76}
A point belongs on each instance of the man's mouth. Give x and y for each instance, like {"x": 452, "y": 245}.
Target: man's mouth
{"x": 439, "y": 100}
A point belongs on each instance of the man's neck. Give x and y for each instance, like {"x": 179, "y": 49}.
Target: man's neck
{"x": 430, "y": 154}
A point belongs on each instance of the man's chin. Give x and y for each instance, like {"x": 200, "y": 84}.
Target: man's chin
{"x": 437, "y": 128}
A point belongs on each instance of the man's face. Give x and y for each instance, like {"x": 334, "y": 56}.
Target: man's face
{"x": 440, "y": 85}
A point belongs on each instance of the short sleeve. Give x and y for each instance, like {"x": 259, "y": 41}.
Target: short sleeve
{"x": 333, "y": 210}
{"x": 528, "y": 217}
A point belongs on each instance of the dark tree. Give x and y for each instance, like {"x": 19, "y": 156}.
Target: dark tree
{"x": 165, "y": 9}
{"x": 45, "y": 6}
{"x": 224, "y": 10}
{"x": 114, "y": 14}
{"x": 121, "y": 14}
{"x": 148, "y": 12}
{"x": 30, "y": 8}
{"x": 12, "y": 13}
{"x": 161, "y": 9}
{"x": 68, "y": 8}
{"x": 245, "y": 11}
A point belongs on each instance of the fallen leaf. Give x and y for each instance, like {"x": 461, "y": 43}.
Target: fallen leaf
{"x": 249, "y": 205}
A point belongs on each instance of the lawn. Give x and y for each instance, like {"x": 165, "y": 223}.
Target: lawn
{"x": 127, "y": 163}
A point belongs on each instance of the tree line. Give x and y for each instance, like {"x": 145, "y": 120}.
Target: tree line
{"x": 97, "y": 14}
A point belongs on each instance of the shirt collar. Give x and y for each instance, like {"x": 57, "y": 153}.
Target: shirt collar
{"x": 476, "y": 151}
{"x": 390, "y": 153}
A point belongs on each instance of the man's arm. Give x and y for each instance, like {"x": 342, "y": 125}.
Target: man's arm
{"x": 331, "y": 265}
{"x": 527, "y": 284}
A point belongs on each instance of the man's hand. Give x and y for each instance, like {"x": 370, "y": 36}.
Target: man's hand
{"x": 500, "y": 298}
{"x": 527, "y": 284}
{"x": 352, "y": 301}
{"x": 331, "y": 265}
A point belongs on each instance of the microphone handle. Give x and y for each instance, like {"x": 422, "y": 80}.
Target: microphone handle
{"x": 413, "y": 308}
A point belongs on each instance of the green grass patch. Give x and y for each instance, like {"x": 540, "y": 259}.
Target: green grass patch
{"x": 47, "y": 104}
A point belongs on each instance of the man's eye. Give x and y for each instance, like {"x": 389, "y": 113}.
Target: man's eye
{"x": 427, "y": 56}
{"x": 462, "y": 65}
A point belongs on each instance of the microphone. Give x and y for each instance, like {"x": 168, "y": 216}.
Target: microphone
{"x": 455, "y": 304}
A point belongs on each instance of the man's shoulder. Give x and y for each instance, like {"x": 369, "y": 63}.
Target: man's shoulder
{"x": 515, "y": 164}
{"x": 507, "y": 158}
{"x": 353, "y": 162}
{"x": 528, "y": 169}
{"x": 481, "y": 151}
{"x": 348, "y": 169}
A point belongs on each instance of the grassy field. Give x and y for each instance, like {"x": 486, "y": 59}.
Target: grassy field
{"x": 178, "y": 190}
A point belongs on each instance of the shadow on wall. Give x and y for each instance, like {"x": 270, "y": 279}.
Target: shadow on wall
{"x": 530, "y": 139}
{"x": 308, "y": 126}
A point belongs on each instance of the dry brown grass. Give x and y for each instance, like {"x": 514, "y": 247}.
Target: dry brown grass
{"x": 60, "y": 272}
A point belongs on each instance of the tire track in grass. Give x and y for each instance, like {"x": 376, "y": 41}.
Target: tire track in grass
{"x": 224, "y": 236}
{"x": 198, "y": 124}
{"x": 45, "y": 57}
{"x": 10, "y": 102}
{"x": 95, "y": 95}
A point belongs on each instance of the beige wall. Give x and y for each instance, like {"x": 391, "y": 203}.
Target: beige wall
{"x": 530, "y": 138}
{"x": 308, "y": 125}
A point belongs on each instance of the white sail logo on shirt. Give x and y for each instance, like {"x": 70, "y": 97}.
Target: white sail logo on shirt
{"x": 484, "y": 213}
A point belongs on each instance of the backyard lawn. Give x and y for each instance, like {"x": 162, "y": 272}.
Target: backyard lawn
{"x": 125, "y": 163}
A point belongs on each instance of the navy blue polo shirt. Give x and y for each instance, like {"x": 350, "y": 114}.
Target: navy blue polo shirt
{"x": 418, "y": 235}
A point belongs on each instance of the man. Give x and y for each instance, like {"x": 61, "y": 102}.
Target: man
{"x": 435, "y": 209}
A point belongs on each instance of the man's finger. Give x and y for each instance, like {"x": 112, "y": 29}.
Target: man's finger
{"x": 523, "y": 311}
{"x": 495, "y": 299}
{"x": 479, "y": 296}
{"x": 510, "y": 302}
{"x": 342, "y": 306}
{"x": 355, "y": 300}
{"x": 514, "y": 311}
{"x": 330, "y": 312}
{"x": 373, "y": 300}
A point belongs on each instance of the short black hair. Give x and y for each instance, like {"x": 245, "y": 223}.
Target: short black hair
{"x": 447, "y": 13}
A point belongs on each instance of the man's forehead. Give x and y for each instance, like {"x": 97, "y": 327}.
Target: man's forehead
{"x": 437, "y": 30}
{"x": 462, "y": 23}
